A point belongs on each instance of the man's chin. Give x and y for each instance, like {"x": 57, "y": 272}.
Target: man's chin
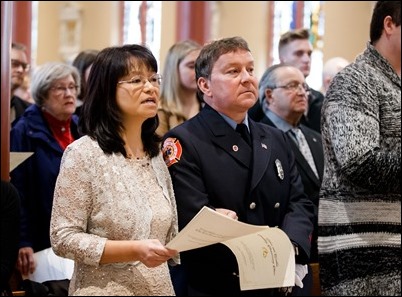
{"x": 15, "y": 83}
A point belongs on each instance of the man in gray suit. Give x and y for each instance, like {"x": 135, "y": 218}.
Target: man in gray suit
{"x": 283, "y": 95}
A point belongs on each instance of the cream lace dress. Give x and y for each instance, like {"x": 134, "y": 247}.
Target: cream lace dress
{"x": 99, "y": 197}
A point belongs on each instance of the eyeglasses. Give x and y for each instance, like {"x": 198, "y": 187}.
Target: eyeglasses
{"x": 60, "y": 90}
{"x": 139, "y": 81}
{"x": 17, "y": 63}
{"x": 294, "y": 86}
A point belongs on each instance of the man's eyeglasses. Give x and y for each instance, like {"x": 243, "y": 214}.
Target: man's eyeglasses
{"x": 60, "y": 90}
{"x": 139, "y": 81}
{"x": 16, "y": 64}
{"x": 294, "y": 86}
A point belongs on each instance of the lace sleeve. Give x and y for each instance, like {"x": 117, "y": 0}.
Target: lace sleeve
{"x": 72, "y": 207}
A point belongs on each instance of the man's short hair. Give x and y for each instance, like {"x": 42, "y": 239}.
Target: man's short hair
{"x": 288, "y": 37}
{"x": 18, "y": 46}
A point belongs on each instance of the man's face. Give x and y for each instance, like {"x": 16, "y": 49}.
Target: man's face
{"x": 19, "y": 68}
{"x": 298, "y": 54}
{"x": 289, "y": 98}
{"x": 232, "y": 87}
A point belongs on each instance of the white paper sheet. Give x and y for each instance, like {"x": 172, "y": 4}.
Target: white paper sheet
{"x": 265, "y": 255}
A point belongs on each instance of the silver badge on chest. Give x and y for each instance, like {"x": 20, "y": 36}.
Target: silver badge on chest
{"x": 279, "y": 169}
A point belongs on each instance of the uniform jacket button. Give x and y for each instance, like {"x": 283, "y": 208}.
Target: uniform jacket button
{"x": 252, "y": 205}
{"x": 277, "y": 204}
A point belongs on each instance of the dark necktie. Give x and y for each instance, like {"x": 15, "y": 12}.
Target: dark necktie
{"x": 243, "y": 131}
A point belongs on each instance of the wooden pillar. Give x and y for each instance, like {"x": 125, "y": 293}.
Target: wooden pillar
{"x": 6, "y": 29}
{"x": 121, "y": 14}
{"x": 22, "y": 25}
{"x": 270, "y": 32}
{"x": 193, "y": 21}
{"x": 143, "y": 21}
{"x": 299, "y": 14}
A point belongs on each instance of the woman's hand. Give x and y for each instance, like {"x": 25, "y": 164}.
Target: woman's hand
{"x": 153, "y": 253}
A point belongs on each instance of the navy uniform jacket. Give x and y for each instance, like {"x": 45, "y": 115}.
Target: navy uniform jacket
{"x": 311, "y": 183}
{"x": 210, "y": 164}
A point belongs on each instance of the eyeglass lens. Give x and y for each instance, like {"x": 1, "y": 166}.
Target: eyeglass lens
{"x": 16, "y": 64}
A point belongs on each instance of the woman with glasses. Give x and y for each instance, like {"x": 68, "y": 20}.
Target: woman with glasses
{"x": 46, "y": 128}
{"x": 114, "y": 208}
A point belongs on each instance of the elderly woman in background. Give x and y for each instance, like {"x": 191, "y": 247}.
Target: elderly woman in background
{"x": 46, "y": 129}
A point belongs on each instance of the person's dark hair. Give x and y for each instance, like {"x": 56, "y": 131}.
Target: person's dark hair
{"x": 18, "y": 46}
{"x": 101, "y": 117}
{"x": 381, "y": 10}
{"x": 82, "y": 61}
{"x": 211, "y": 52}
{"x": 288, "y": 37}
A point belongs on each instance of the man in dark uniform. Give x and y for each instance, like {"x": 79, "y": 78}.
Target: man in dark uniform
{"x": 252, "y": 178}
{"x": 283, "y": 92}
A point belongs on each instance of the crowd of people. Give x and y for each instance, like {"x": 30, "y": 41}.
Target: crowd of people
{"x": 124, "y": 158}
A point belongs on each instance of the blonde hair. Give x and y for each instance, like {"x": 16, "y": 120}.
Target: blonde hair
{"x": 169, "y": 96}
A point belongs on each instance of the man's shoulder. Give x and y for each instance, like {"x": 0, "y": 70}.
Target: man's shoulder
{"x": 17, "y": 101}
{"x": 267, "y": 128}
{"x": 316, "y": 94}
{"x": 309, "y": 131}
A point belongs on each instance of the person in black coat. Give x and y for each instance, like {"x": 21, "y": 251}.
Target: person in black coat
{"x": 212, "y": 165}
{"x": 10, "y": 224}
{"x": 283, "y": 95}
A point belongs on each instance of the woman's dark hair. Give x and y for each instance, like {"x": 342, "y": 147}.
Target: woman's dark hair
{"x": 101, "y": 118}
{"x": 82, "y": 61}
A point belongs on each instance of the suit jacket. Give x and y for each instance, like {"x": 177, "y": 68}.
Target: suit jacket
{"x": 211, "y": 165}
{"x": 311, "y": 183}
{"x": 19, "y": 106}
{"x": 313, "y": 119}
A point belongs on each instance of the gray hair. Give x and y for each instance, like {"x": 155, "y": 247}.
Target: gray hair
{"x": 268, "y": 80}
{"x": 46, "y": 74}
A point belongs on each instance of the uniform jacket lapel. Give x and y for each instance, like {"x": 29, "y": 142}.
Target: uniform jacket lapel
{"x": 261, "y": 153}
{"x": 226, "y": 137}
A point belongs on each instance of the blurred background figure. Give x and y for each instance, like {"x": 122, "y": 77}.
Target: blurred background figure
{"x": 19, "y": 70}
{"x": 83, "y": 62}
{"x": 10, "y": 233}
{"x": 24, "y": 90}
{"x": 330, "y": 69}
{"x": 178, "y": 99}
{"x": 295, "y": 49}
{"x": 46, "y": 128}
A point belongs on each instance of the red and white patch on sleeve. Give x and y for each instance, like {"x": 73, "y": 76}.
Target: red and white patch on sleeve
{"x": 171, "y": 150}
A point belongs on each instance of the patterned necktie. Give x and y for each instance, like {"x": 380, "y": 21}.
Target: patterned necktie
{"x": 304, "y": 148}
{"x": 243, "y": 131}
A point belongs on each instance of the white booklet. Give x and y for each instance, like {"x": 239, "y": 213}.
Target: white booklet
{"x": 49, "y": 266}
{"x": 265, "y": 255}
